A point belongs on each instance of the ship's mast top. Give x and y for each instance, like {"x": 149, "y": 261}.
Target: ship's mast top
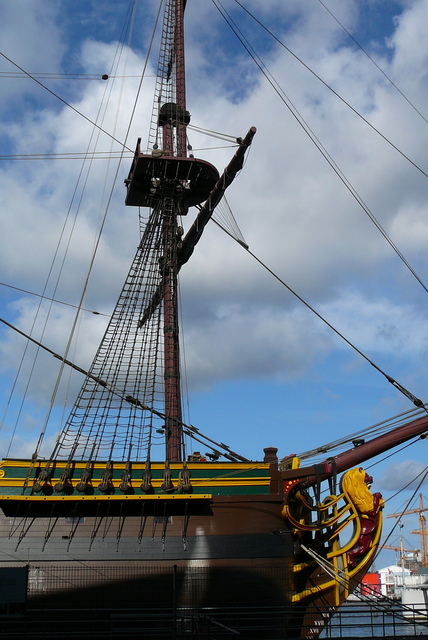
{"x": 169, "y": 115}
{"x": 180, "y": 76}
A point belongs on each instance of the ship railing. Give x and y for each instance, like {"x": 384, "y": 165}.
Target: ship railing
{"x": 270, "y": 623}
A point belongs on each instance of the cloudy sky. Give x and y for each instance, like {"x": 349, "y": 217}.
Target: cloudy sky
{"x": 262, "y": 369}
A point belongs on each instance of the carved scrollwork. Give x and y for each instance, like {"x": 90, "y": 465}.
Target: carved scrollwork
{"x": 355, "y": 485}
{"x": 339, "y": 533}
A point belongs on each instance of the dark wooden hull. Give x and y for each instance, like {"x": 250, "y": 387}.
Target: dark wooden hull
{"x": 229, "y": 528}
{"x": 227, "y": 553}
{"x": 231, "y": 562}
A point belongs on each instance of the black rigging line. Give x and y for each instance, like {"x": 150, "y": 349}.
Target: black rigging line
{"x": 424, "y": 474}
{"x": 77, "y": 155}
{"x": 416, "y": 401}
{"x": 329, "y": 87}
{"x": 406, "y": 486}
{"x": 67, "y": 104}
{"x": 192, "y": 431}
{"x": 312, "y": 135}
{"x": 67, "y": 304}
{"x": 393, "y": 454}
{"x": 373, "y": 61}
{"x": 67, "y": 76}
{"x": 51, "y": 75}
{"x": 42, "y": 434}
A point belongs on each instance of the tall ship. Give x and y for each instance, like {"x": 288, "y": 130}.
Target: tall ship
{"x": 122, "y": 513}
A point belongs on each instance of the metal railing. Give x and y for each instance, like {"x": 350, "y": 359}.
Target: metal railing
{"x": 353, "y": 620}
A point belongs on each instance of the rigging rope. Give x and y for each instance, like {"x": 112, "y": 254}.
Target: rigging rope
{"x": 373, "y": 61}
{"x": 66, "y": 76}
{"x": 192, "y": 431}
{"x": 329, "y": 87}
{"x": 424, "y": 474}
{"x": 67, "y": 104}
{"x": 341, "y": 576}
{"x": 93, "y": 155}
{"x": 50, "y": 272}
{"x": 301, "y": 121}
{"x": 98, "y": 128}
{"x": 416, "y": 401}
{"x": 50, "y": 299}
{"x": 95, "y": 135}
{"x": 213, "y": 134}
{"x": 225, "y": 219}
{"x": 372, "y": 432}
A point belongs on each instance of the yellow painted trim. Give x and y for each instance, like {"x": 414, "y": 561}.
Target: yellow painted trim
{"x": 182, "y": 496}
{"x": 302, "y": 565}
{"x": 348, "y": 573}
{"x": 228, "y": 466}
{"x": 203, "y": 482}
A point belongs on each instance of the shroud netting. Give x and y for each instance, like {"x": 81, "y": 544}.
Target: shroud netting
{"x": 103, "y": 424}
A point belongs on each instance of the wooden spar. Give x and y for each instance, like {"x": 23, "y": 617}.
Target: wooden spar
{"x": 193, "y": 235}
{"x": 359, "y": 454}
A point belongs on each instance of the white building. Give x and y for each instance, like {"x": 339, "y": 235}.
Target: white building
{"x": 393, "y": 577}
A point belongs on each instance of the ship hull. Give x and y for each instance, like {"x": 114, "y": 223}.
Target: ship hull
{"x": 234, "y": 551}
{"x": 229, "y": 528}
{"x": 234, "y": 563}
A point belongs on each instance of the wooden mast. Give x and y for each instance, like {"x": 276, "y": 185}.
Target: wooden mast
{"x": 170, "y": 182}
{"x": 176, "y": 121}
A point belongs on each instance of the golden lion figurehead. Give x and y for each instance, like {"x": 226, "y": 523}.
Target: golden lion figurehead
{"x": 355, "y": 484}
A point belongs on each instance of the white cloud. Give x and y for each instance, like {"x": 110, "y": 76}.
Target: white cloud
{"x": 23, "y": 31}
{"x": 379, "y": 325}
{"x": 261, "y": 343}
{"x": 410, "y": 474}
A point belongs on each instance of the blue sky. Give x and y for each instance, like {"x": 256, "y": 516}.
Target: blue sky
{"x": 262, "y": 370}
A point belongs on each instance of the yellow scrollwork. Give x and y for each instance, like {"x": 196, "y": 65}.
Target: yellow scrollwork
{"x": 349, "y": 525}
